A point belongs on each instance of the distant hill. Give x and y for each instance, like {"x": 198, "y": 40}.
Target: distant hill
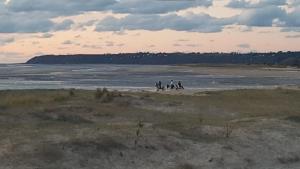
{"x": 279, "y": 58}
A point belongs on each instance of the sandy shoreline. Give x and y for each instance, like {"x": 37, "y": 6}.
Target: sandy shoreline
{"x": 192, "y": 91}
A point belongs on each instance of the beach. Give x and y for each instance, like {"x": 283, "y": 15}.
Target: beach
{"x": 244, "y": 128}
{"x": 149, "y": 84}
{"x": 143, "y": 77}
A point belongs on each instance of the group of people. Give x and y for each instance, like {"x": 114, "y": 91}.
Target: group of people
{"x": 170, "y": 85}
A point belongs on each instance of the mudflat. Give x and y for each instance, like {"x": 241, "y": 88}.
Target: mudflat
{"x": 81, "y": 129}
{"x": 143, "y": 77}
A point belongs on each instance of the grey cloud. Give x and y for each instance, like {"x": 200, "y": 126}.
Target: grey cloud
{"x": 237, "y": 4}
{"x": 4, "y": 41}
{"x": 92, "y": 46}
{"x": 176, "y": 44}
{"x": 83, "y": 25}
{"x": 292, "y": 36}
{"x": 264, "y": 32}
{"x": 120, "y": 44}
{"x": 67, "y": 42}
{"x": 191, "y": 22}
{"x": 244, "y": 45}
{"x": 32, "y": 16}
{"x": 136, "y": 34}
{"x": 29, "y": 23}
{"x": 62, "y": 48}
{"x": 109, "y": 43}
{"x": 261, "y": 16}
{"x": 23, "y": 23}
{"x": 47, "y": 35}
{"x": 35, "y": 43}
{"x": 121, "y": 32}
{"x": 156, "y": 6}
{"x": 59, "y": 7}
{"x": 270, "y": 16}
{"x": 293, "y": 19}
{"x": 2, "y": 6}
{"x": 244, "y": 28}
{"x": 183, "y": 40}
{"x": 290, "y": 29}
{"x": 71, "y": 7}
{"x": 151, "y": 46}
{"x": 294, "y": 2}
{"x": 193, "y": 45}
{"x": 39, "y": 54}
{"x": 259, "y": 4}
{"x": 64, "y": 25}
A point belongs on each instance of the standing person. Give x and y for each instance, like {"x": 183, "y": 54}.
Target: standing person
{"x": 172, "y": 84}
{"x": 159, "y": 85}
{"x": 180, "y": 86}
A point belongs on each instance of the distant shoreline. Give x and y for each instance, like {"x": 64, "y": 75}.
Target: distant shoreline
{"x": 278, "y": 59}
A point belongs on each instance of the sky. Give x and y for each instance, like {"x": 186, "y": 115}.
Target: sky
{"x": 31, "y": 28}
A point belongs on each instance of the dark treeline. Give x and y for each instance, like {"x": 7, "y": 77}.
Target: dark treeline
{"x": 279, "y": 58}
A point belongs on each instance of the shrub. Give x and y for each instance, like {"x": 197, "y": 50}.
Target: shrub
{"x": 185, "y": 166}
{"x": 60, "y": 98}
{"x": 140, "y": 126}
{"x": 72, "y": 92}
{"x": 291, "y": 158}
{"x": 106, "y": 96}
{"x": 99, "y": 93}
{"x": 295, "y": 119}
{"x": 228, "y": 129}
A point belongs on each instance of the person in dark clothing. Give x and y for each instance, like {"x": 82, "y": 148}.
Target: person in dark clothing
{"x": 172, "y": 86}
{"x": 180, "y": 86}
{"x": 159, "y": 85}
{"x": 156, "y": 85}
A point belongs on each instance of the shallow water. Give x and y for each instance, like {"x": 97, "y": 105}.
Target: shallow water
{"x": 130, "y": 77}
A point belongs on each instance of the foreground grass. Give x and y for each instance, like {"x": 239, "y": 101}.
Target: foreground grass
{"x": 73, "y": 107}
{"x": 45, "y": 124}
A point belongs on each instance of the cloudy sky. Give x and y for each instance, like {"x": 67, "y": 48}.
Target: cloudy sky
{"x": 36, "y": 27}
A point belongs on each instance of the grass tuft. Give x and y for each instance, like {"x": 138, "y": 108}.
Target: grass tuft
{"x": 292, "y": 158}
{"x": 185, "y": 166}
{"x": 106, "y": 96}
{"x": 72, "y": 92}
{"x": 295, "y": 119}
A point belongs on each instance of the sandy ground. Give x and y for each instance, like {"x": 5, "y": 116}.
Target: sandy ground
{"x": 243, "y": 129}
{"x": 230, "y": 70}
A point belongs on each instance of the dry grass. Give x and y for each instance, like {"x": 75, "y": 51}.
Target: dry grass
{"x": 295, "y": 119}
{"x": 96, "y": 122}
{"x": 289, "y": 159}
{"x": 185, "y": 166}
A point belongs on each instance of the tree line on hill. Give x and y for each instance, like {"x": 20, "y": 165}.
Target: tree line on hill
{"x": 272, "y": 58}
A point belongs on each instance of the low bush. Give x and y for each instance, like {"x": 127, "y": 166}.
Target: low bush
{"x": 292, "y": 158}
{"x": 295, "y": 119}
{"x": 72, "y": 92}
{"x": 106, "y": 96}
